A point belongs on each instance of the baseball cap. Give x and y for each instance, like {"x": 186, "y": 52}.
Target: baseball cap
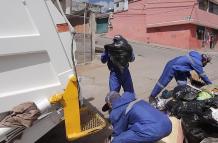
{"x": 111, "y": 97}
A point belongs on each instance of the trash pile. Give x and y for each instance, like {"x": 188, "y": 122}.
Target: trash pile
{"x": 197, "y": 109}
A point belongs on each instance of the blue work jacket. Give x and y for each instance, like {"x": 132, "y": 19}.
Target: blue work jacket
{"x": 143, "y": 119}
{"x": 189, "y": 62}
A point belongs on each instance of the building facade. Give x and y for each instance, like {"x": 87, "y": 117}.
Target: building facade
{"x": 120, "y": 5}
{"x": 130, "y": 23}
{"x": 176, "y": 23}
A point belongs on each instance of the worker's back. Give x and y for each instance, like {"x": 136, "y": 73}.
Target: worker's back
{"x": 141, "y": 118}
{"x": 187, "y": 62}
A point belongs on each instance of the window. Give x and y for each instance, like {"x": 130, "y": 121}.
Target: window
{"x": 200, "y": 32}
{"x": 203, "y": 4}
{"x": 117, "y": 4}
{"x": 213, "y": 8}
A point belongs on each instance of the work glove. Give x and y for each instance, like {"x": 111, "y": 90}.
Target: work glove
{"x": 153, "y": 101}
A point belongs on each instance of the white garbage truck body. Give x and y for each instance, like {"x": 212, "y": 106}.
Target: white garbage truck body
{"x": 35, "y": 61}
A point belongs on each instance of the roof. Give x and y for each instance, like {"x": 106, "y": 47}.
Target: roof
{"x": 101, "y": 15}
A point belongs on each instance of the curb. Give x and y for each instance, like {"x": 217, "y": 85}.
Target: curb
{"x": 157, "y": 46}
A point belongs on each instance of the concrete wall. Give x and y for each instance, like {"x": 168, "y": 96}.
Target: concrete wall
{"x": 79, "y": 6}
{"x": 78, "y": 23}
{"x": 174, "y": 36}
{"x": 171, "y": 12}
{"x": 83, "y": 52}
{"x": 168, "y": 12}
{"x": 120, "y": 7}
{"x": 204, "y": 18}
{"x": 131, "y": 23}
{"x": 180, "y": 36}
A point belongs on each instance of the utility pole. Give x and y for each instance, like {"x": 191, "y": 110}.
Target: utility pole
{"x": 84, "y": 35}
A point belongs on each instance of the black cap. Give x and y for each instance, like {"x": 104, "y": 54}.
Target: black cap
{"x": 106, "y": 107}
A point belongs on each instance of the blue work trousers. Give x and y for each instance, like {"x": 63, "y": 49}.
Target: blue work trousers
{"x": 118, "y": 79}
{"x": 167, "y": 76}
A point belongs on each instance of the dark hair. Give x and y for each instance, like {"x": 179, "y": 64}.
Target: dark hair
{"x": 205, "y": 59}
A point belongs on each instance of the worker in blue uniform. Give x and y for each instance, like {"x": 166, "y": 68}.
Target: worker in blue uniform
{"x": 134, "y": 120}
{"x": 117, "y": 56}
{"x": 179, "y": 68}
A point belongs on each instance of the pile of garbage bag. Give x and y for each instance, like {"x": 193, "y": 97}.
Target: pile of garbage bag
{"x": 197, "y": 109}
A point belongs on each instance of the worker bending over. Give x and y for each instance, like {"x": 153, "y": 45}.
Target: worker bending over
{"x": 135, "y": 121}
{"x": 180, "y": 68}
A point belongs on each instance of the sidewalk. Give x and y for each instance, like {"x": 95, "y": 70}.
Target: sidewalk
{"x": 102, "y": 40}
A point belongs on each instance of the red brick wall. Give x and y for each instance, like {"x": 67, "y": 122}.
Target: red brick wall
{"x": 78, "y": 24}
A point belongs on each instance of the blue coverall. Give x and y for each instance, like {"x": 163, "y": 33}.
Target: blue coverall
{"x": 118, "y": 79}
{"x": 180, "y": 68}
{"x": 142, "y": 124}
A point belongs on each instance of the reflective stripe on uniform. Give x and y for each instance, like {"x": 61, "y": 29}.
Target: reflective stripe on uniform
{"x": 203, "y": 74}
{"x": 159, "y": 84}
{"x": 129, "y": 107}
{"x": 190, "y": 59}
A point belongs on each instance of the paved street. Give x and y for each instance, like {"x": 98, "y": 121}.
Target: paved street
{"x": 145, "y": 70}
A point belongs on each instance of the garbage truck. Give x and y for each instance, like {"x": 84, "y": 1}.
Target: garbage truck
{"x": 37, "y": 64}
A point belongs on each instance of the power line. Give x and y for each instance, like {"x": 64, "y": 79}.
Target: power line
{"x": 162, "y": 2}
{"x": 169, "y": 6}
{"x": 161, "y": 7}
{"x": 170, "y": 11}
{"x": 169, "y": 2}
{"x": 192, "y": 10}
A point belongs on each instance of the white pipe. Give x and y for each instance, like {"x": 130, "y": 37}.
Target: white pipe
{"x": 43, "y": 105}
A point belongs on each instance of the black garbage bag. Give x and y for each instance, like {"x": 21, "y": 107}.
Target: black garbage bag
{"x": 179, "y": 108}
{"x": 195, "y": 129}
{"x": 212, "y": 102}
{"x": 202, "y": 109}
{"x": 197, "y": 120}
{"x": 120, "y": 55}
{"x": 210, "y": 140}
{"x": 191, "y": 130}
{"x": 185, "y": 92}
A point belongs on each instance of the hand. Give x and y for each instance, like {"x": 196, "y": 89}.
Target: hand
{"x": 153, "y": 101}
